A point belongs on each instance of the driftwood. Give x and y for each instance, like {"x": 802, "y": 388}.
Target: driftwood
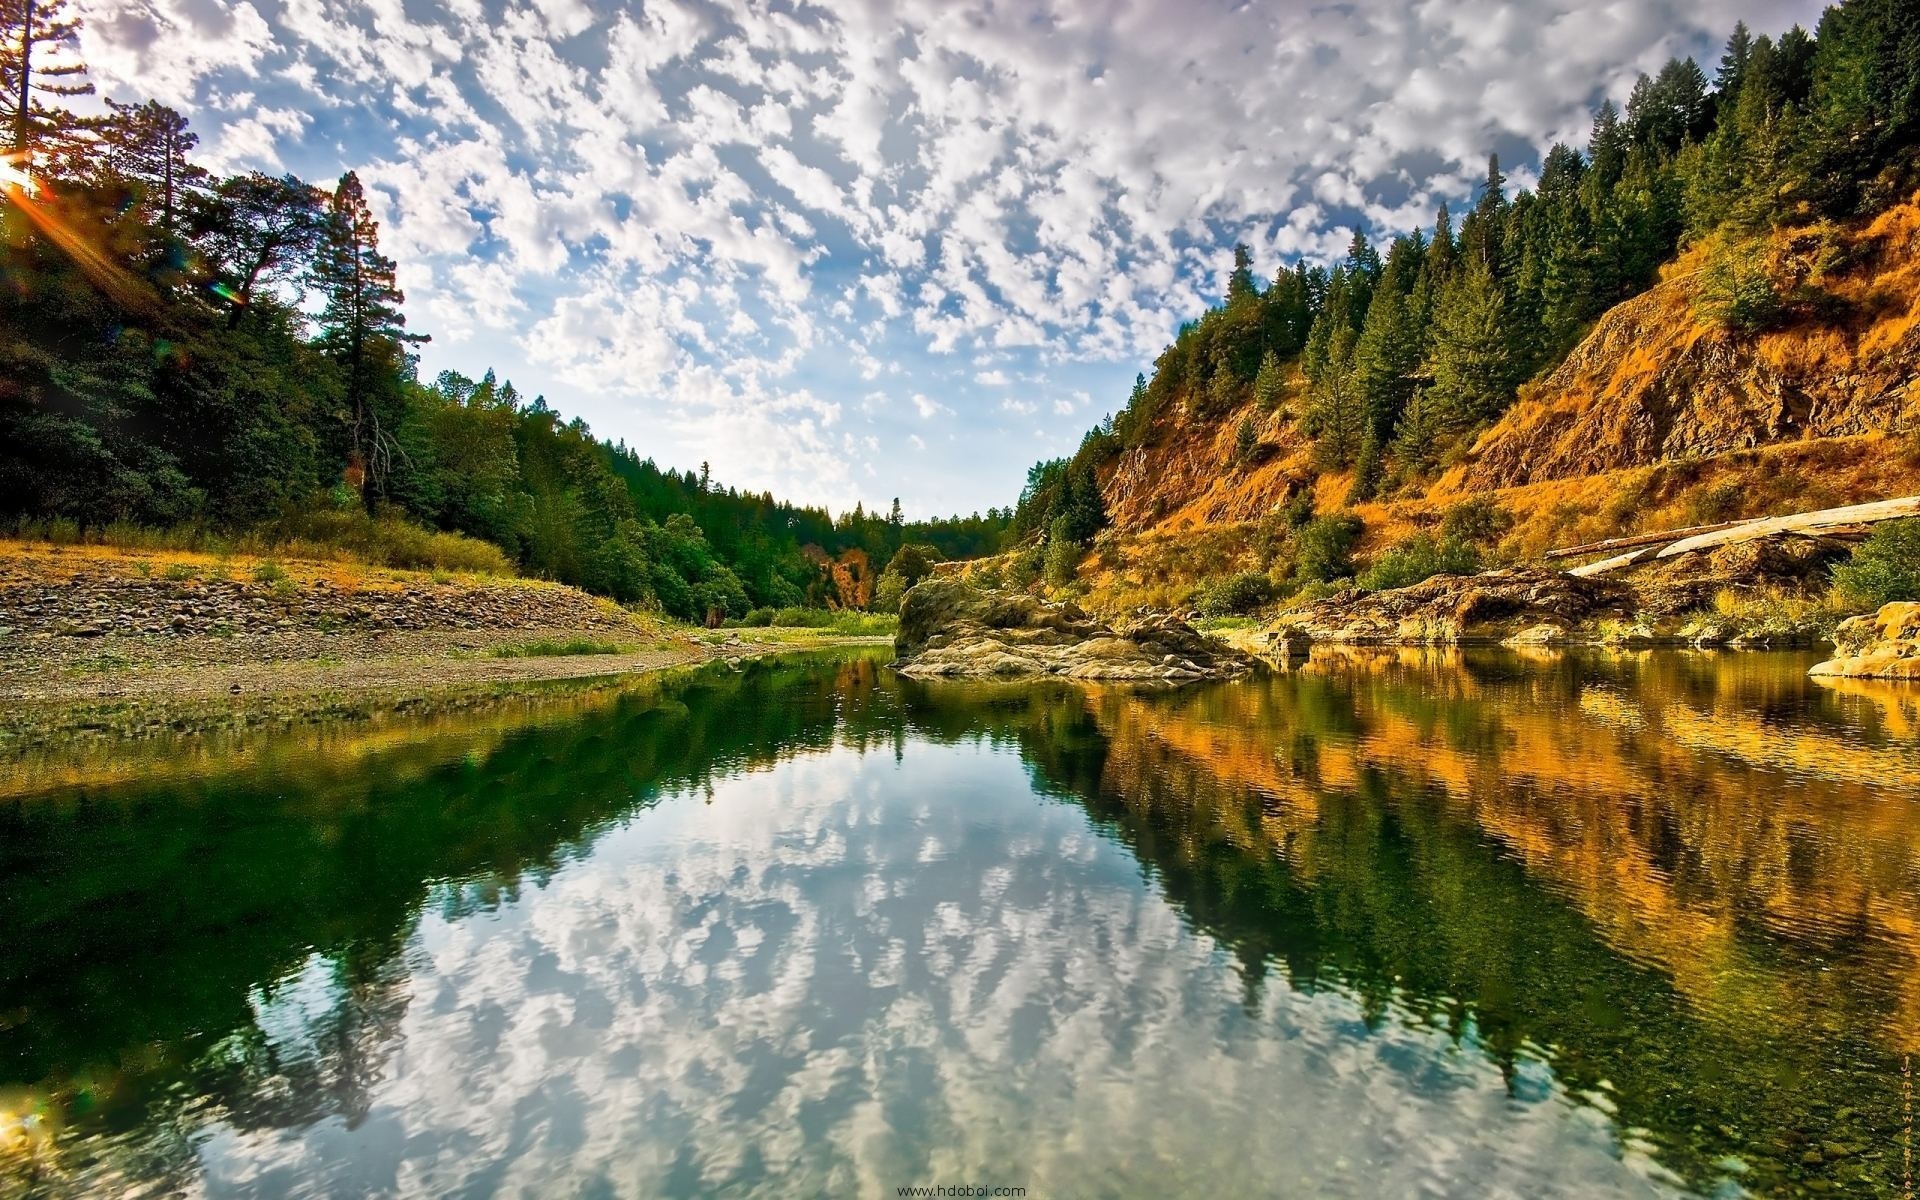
{"x": 1659, "y": 538}
{"x": 1852, "y": 520}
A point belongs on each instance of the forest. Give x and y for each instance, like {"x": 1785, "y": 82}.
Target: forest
{"x": 183, "y": 350}
{"x": 1392, "y": 359}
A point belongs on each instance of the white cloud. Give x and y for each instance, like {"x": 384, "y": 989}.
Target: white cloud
{"x": 652, "y": 199}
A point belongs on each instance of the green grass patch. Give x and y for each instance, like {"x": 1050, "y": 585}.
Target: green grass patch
{"x": 547, "y": 648}
{"x": 847, "y": 622}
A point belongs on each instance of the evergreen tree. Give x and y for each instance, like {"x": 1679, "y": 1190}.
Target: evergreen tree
{"x": 1270, "y": 385}
{"x": 1733, "y": 62}
{"x": 1337, "y": 413}
{"x": 1240, "y": 285}
{"x": 1473, "y": 363}
{"x": 147, "y": 145}
{"x": 1385, "y": 359}
{"x": 363, "y": 331}
{"x": 39, "y": 57}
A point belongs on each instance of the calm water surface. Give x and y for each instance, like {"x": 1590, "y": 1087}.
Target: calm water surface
{"x": 1391, "y": 924}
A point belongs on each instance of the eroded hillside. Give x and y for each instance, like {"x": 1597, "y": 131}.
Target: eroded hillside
{"x": 1662, "y": 415}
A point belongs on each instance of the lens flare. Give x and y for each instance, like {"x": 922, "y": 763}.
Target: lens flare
{"x": 12, "y": 178}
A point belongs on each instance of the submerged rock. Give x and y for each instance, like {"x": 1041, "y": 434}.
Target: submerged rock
{"x": 950, "y": 629}
{"x": 1528, "y": 605}
{"x": 1885, "y": 645}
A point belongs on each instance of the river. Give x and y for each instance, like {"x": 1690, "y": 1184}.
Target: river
{"x": 1392, "y": 923}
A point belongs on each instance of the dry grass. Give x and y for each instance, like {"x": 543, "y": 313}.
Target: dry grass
{"x": 328, "y": 535}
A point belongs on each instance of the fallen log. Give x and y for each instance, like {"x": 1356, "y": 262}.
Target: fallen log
{"x": 1657, "y": 538}
{"x": 1851, "y": 521}
{"x": 1810, "y": 522}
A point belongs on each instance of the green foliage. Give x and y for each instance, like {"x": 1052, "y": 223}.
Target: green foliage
{"x": 1476, "y": 522}
{"x": 1233, "y": 595}
{"x": 1420, "y": 349}
{"x": 1417, "y": 558}
{"x": 162, "y": 370}
{"x": 1063, "y": 553}
{"x": 576, "y": 647}
{"x": 1270, "y": 384}
{"x": 1245, "y": 438}
{"x": 1323, "y": 547}
{"x": 1736, "y": 289}
{"x": 1885, "y": 567}
{"x": 910, "y": 564}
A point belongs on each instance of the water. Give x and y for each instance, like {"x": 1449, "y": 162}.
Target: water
{"x": 1394, "y": 924}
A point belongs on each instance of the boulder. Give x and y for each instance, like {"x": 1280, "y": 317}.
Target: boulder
{"x": 1885, "y": 645}
{"x": 950, "y": 629}
{"x": 1528, "y": 604}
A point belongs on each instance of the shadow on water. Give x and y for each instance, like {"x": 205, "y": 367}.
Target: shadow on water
{"x": 1689, "y": 886}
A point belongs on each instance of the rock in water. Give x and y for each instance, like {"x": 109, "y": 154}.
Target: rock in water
{"x": 1885, "y": 645}
{"x": 950, "y": 629}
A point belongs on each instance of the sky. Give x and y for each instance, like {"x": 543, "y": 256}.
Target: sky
{"x": 859, "y": 250}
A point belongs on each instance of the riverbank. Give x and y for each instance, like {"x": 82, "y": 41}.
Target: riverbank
{"x": 95, "y": 638}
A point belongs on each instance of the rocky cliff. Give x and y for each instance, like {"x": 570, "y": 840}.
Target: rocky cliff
{"x": 1655, "y": 382}
{"x": 1663, "y": 415}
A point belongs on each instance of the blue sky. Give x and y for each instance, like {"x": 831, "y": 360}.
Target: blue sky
{"x": 864, "y": 249}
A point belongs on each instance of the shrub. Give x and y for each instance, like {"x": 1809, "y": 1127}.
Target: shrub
{"x": 1737, "y": 290}
{"x": 761, "y": 617}
{"x": 1026, "y": 565}
{"x": 1324, "y": 547}
{"x": 1245, "y": 438}
{"x": 1475, "y": 523}
{"x": 556, "y": 649}
{"x": 1419, "y": 557}
{"x": 1233, "y": 595}
{"x": 1062, "y": 562}
{"x": 1885, "y": 567}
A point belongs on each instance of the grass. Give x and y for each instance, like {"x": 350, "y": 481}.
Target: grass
{"x": 325, "y": 535}
{"x": 1770, "y": 614}
{"x": 847, "y": 622}
{"x": 567, "y": 649}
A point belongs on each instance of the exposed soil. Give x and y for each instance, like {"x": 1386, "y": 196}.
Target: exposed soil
{"x": 91, "y": 638}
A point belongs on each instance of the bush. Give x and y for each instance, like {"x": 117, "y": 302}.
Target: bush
{"x": 1324, "y": 547}
{"x": 1233, "y": 595}
{"x": 1245, "y": 438}
{"x": 761, "y": 617}
{"x": 1885, "y": 567}
{"x": 1062, "y": 563}
{"x": 1475, "y": 523}
{"x": 577, "y": 647}
{"x": 1419, "y": 557}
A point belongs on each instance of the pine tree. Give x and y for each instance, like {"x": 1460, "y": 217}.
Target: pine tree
{"x": 1733, "y": 62}
{"x": 1385, "y": 358}
{"x": 1240, "y": 285}
{"x": 1473, "y": 363}
{"x": 362, "y": 329}
{"x": 39, "y": 57}
{"x": 1444, "y": 250}
{"x": 1337, "y": 414}
{"x": 1270, "y": 385}
{"x": 147, "y": 144}
{"x": 1367, "y": 468}
{"x": 1423, "y": 428}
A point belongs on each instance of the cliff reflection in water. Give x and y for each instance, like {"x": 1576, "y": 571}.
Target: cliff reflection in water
{"x": 1686, "y": 885}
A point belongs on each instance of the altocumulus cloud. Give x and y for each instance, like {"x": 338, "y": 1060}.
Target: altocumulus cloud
{"x": 703, "y": 224}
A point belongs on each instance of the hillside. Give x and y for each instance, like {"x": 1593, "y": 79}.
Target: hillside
{"x": 1654, "y": 383}
{"x": 1661, "y": 415}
